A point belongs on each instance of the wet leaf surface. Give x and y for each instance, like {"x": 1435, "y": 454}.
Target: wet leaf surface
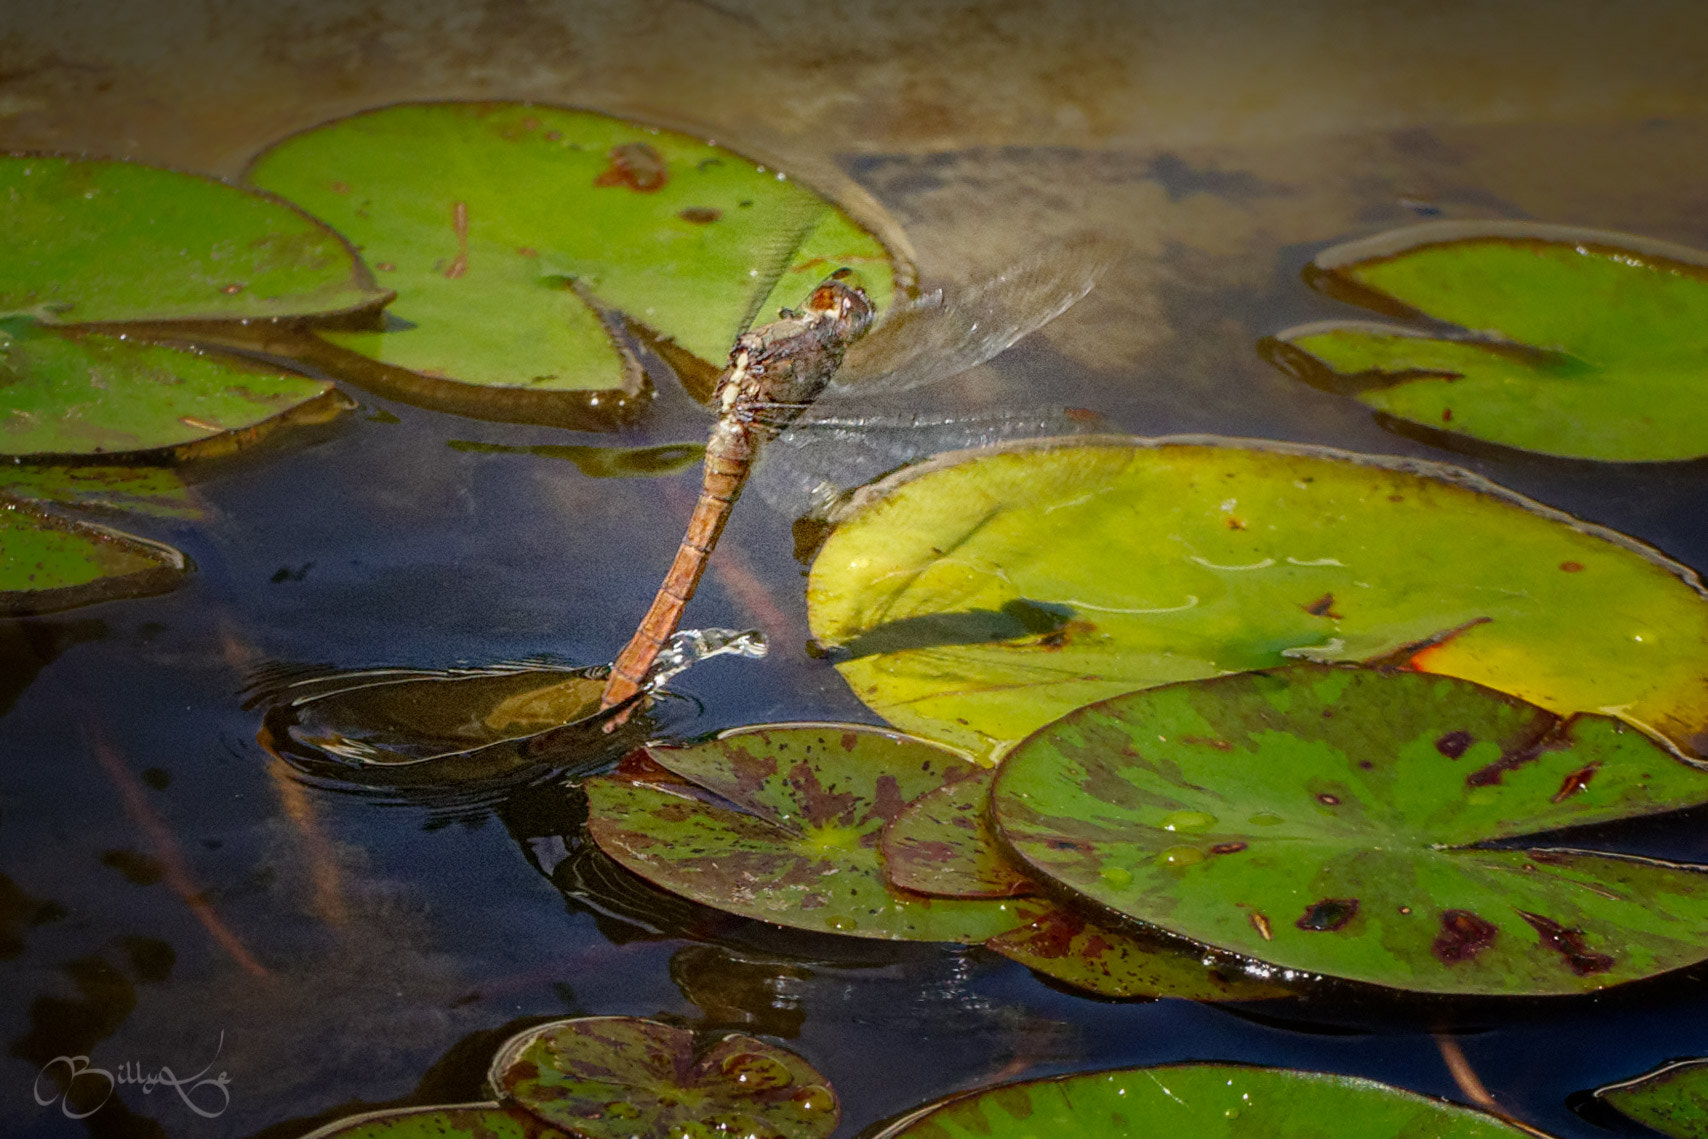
{"x": 1582, "y": 343}
{"x": 783, "y": 823}
{"x": 1334, "y": 820}
{"x": 90, "y": 394}
{"x": 50, "y": 562}
{"x": 464, "y": 1121}
{"x": 1172, "y": 560}
{"x": 618, "y": 1077}
{"x": 102, "y": 241}
{"x": 157, "y": 492}
{"x": 1672, "y": 1099}
{"x": 516, "y": 236}
{"x": 1206, "y": 1101}
{"x": 941, "y": 844}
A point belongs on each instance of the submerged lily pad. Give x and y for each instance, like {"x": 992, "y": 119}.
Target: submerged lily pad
{"x": 1584, "y": 344}
{"x": 89, "y": 394}
{"x": 782, "y": 824}
{"x": 1169, "y": 560}
{"x": 1340, "y": 821}
{"x": 91, "y": 240}
{"x": 158, "y": 492}
{"x": 1204, "y": 1101}
{"x": 1672, "y": 1099}
{"x": 48, "y": 562}
{"x": 462, "y": 1121}
{"x": 515, "y": 234}
{"x": 621, "y": 1077}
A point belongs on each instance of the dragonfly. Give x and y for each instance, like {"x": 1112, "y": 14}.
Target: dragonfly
{"x": 786, "y": 379}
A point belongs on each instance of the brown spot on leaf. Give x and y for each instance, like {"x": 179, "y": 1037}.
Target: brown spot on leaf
{"x": 636, "y": 166}
{"x": 1323, "y": 607}
{"x": 887, "y": 799}
{"x": 1328, "y": 800}
{"x": 1328, "y": 915}
{"x": 1057, "y": 639}
{"x": 1260, "y": 923}
{"x": 385, "y": 266}
{"x": 849, "y": 741}
{"x": 1568, "y": 943}
{"x": 527, "y": 251}
{"x": 1454, "y": 744}
{"x": 1572, "y": 567}
{"x": 339, "y": 187}
{"x": 1575, "y": 781}
{"x": 232, "y": 288}
{"x": 1463, "y": 935}
{"x": 819, "y": 804}
{"x": 1447, "y": 415}
{"x": 1235, "y": 524}
{"x": 1207, "y": 741}
{"x": 460, "y": 228}
{"x": 1227, "y": 848}
{"x": 1490, "y": 775}
{"x": 700, "y": 215}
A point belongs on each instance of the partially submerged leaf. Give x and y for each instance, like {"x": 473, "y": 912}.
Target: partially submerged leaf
{"x": 94, "y": 240}
{"x": 1339, "y": 821}
{"x": 91, "y": 394}
{"x": 1165, "y": 560}
{"x": 1204, "y": 1101}
{"x": 463, "y": 1121}
{"x": 48, "y": 562}
{"x": 158, "y": 492}
{"x": 1581, "y": 343}
{"x": 517, "y": 236}
{"x": 782, "y": 823}
{"x": 1672, "y": 1099}
{"x": 621, "y": 1077}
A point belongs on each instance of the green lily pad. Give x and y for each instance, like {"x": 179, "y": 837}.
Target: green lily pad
{"x": 462, "y": 1121}
{"x": 1584, "y": 344}
{"x": 1672, "y": 1099}
{"x": 93, "y": 240}
{"x": 1205, "y": 1101}
{"x": 621, "y": 1077}
{"x": 89, "y": 394}
{"x": 516, "y": 235}
{"x": 1177, "y": 559}
{"x": 157, "y": 492}
{"x": 941, "y": 844}
{"x": 1335, "y": 820}
{"x": 48, "y": 562}
{"x": 781, "y": 823}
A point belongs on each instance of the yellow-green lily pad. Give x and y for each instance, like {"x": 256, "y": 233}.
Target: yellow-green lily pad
{"x": 48, "y": 562}
{"x": 1672, "y": 1099}
{"x": 518, "y": 236}
{"x": 1573, "y": 342}
{"x": 1171, "y": 560}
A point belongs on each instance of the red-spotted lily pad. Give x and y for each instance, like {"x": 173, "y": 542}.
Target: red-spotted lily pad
{"x": 1672, "y": 1099}
{"x": 620, "y": 1077}
{"x": 461, "y": 1121}
{"x": 96, "y": 241}
{"x": 51, "y": 562}
{"x": 518, "y": 235}
{"x": 941, "y": 844}
{"x": 1205, "y": 1101}
{"x": 1342, "y": 821}
{"x": 782, "y": 823}
{"x": 1578, "y": 343}
{"x": 64, "y": 396}
{"x": 1166, "y": 560}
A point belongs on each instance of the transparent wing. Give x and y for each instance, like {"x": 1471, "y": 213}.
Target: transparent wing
{"x": 945, "y": 332}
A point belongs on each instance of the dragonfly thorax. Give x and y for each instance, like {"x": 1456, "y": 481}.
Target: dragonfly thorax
{"x": 778, "y": 369}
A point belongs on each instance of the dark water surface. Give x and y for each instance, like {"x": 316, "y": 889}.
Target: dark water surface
{"x": 377, "y": 951}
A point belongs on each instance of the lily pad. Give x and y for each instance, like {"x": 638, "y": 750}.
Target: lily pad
{"x": 1176, "y": 559}
{"x": 941, "y": 844}
{"x": 1672, "y": 1099}
{"x": 621, "y": 1077}
{"x": 1205, "y": 1101}
{"x": 158, "y": 492}
{"x": 48, "y": 562}
{"x": 91, "y": 240}
{"x": 781, "y": 823}
{"x": 1343, "y": 821}
{"x": 1578, "y": 343}
{"x": 462, "y": 1121}
{"x": 90, "y": 394}
{"x": 518, "y": 237}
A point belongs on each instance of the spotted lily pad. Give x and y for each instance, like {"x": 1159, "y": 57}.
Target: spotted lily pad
{"x": 1167, "y": 560}
{"x": 620, "y": 1077}
{"x": 158, "y": 492}
{"x": 941, "y": 844}
{"x": 1581, "y": 343}
{"x": 518, "y": 235}
{"x": 1672, "y": 1099}
{"x": 49, "y": 562}
{"x": 96, "y": 241}
{"x": 782, "y": 824}
{"x": 462, "y": 1121}
{"x": 1343, "y": 821}
{"x": 1205, "y": 1101}
{"x": 90, "y": 394}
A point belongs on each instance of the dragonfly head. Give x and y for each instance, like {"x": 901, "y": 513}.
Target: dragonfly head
{"x": 840, "y": 298}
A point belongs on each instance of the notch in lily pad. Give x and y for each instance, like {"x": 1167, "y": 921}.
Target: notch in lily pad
{"x": 1578, "y": 343}
{"x": 528, "y": 244}
{"x": 1356, "y": 823}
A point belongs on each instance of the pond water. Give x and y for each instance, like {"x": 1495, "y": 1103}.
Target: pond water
{"x": 348, "y": 949}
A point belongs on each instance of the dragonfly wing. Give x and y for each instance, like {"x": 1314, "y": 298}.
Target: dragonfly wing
{"x": 806, "y": 469}
{"x": 945, "y": 332}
